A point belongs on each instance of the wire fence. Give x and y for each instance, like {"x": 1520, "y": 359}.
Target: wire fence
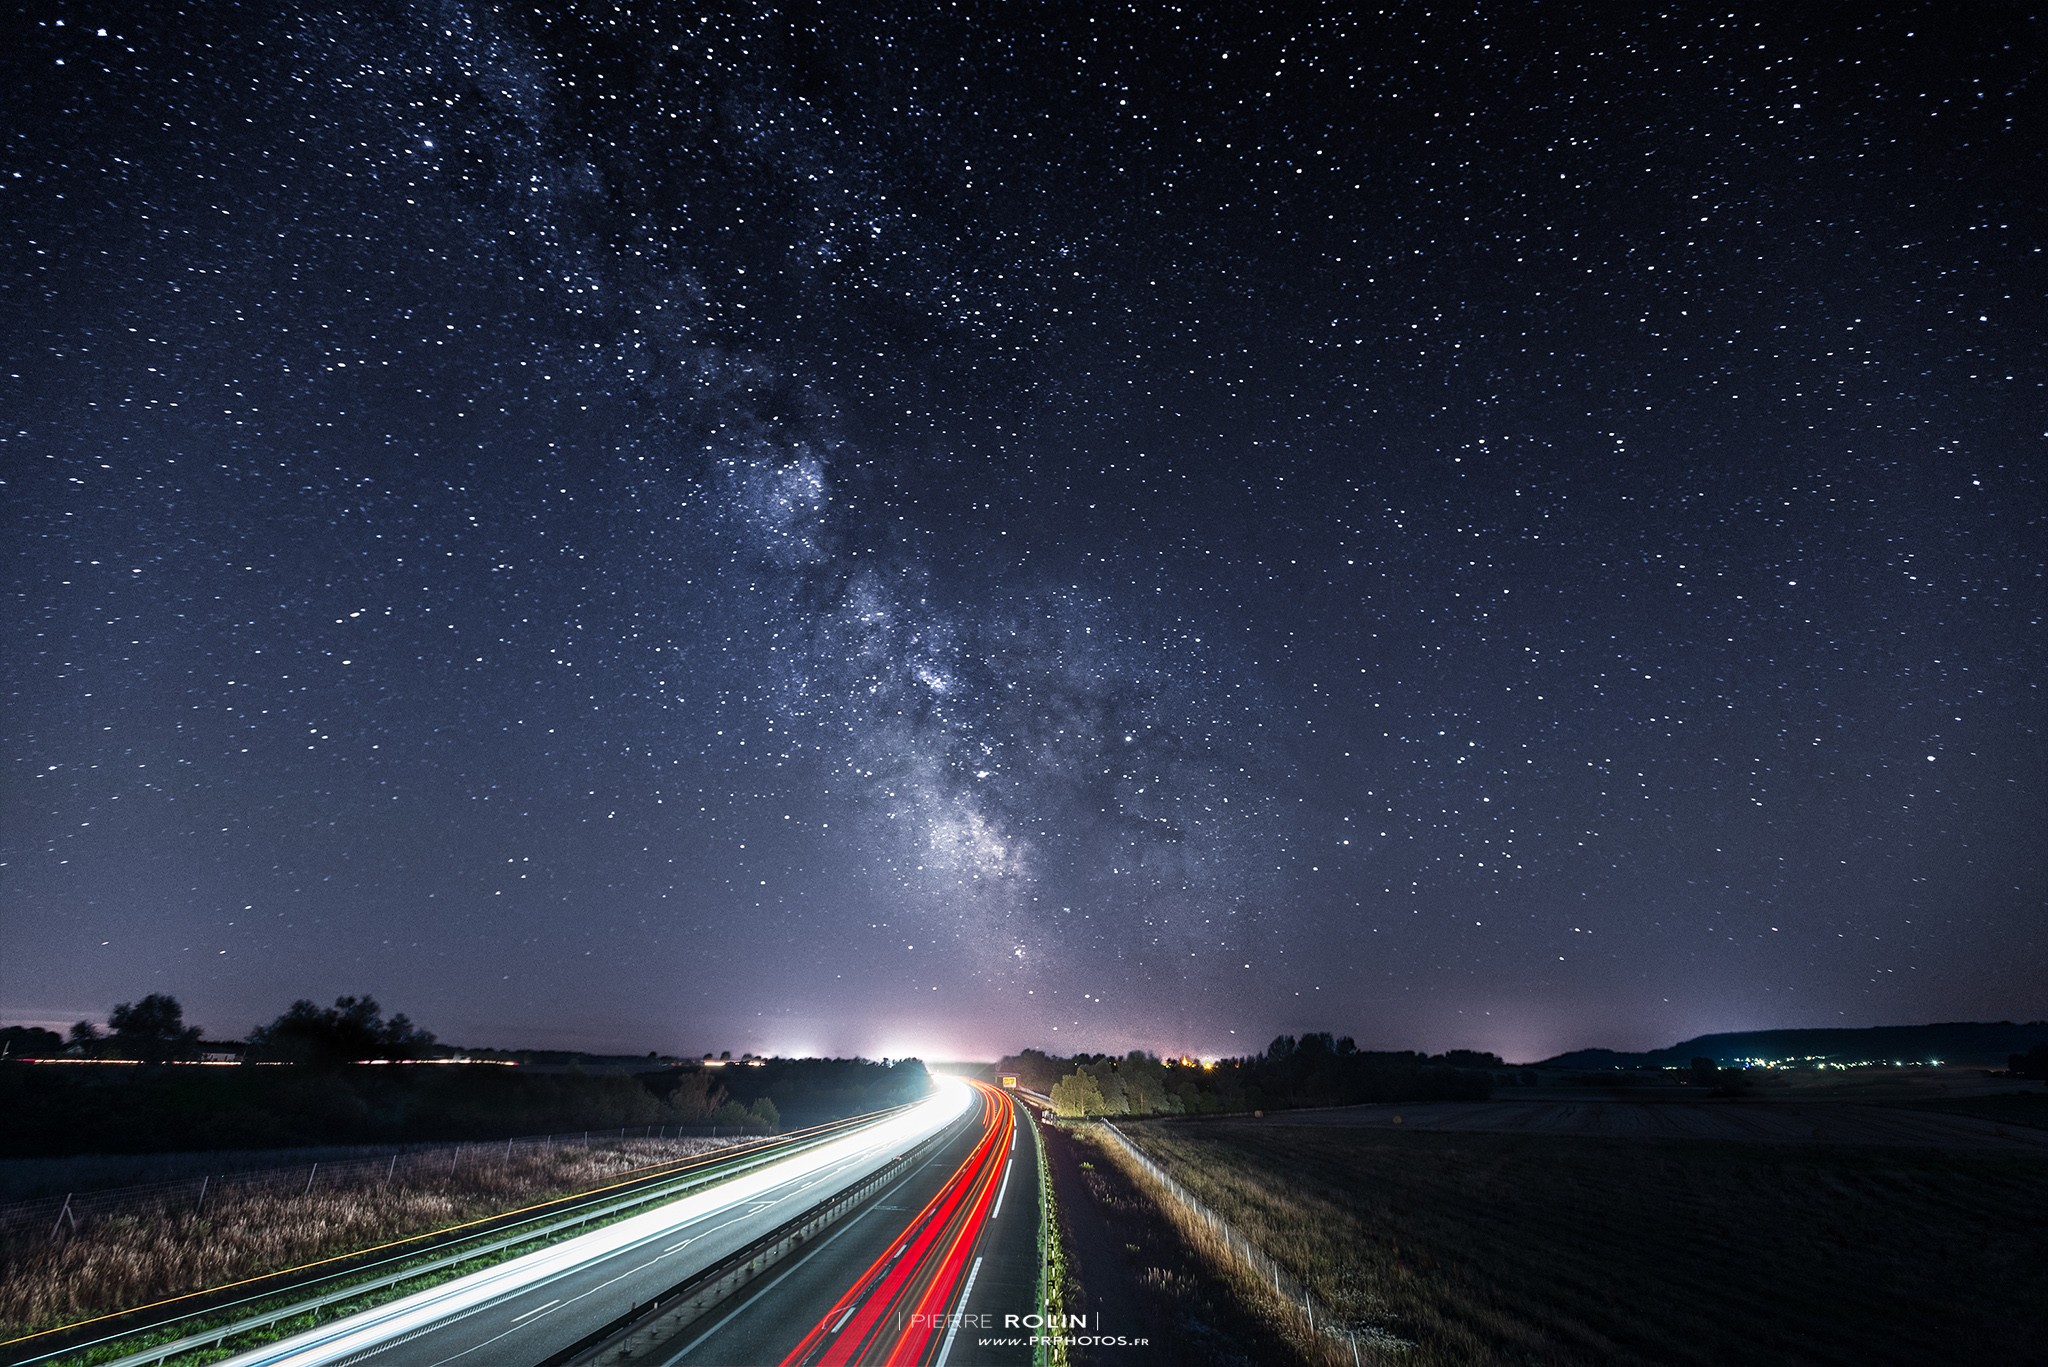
{"x": 55, "y": 1217}
{"x": 1366, "y": 1342}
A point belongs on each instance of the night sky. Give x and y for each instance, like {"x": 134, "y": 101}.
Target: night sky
{"x": 933, "y": 530}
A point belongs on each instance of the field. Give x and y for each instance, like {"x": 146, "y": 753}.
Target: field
{"x": 1541, "y": 1248}
{"x": 1978, "y": 1123}
{"x": 2019, "y": 1108}
{"x": 114, "y": 1263}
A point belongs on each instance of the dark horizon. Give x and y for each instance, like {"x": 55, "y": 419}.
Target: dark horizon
{"x": 881, "y": 532}
{"x": 1081, "y": 1047}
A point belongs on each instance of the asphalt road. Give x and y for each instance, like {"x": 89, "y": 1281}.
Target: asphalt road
{"x": 523, "y": 1311}
{"x": 926, "y": 1273}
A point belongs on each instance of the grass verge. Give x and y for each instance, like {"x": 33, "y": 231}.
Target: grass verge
{"x": 1052, "y": 1253}
{"x": 231, "y": 1344}
{"x": 116, "y": 1263}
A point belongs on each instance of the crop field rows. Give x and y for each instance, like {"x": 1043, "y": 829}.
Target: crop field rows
{"x": 1492, "y": 1247}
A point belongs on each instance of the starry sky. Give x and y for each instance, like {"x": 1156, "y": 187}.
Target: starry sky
{"x": 861, "y": 528}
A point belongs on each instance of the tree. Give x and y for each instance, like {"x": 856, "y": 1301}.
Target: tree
{"x": 29, "y": 1041}
{"x": 152, "y": 1030}
{"x": 1078, "y": 1095}
{"x": 1144, "y": 1086}
{"x": 352, "y": 1030}
{"x": 759, "y": 1116}
{"x": 696, "y": 1098}
{"x": 1109, "y": 1084}
{"x": 85, "y": 1039}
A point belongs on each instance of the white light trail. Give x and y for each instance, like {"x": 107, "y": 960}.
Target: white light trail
{"x": 368, "y": 1329}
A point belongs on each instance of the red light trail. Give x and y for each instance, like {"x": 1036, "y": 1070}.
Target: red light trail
{"x": 895, "y": 1309}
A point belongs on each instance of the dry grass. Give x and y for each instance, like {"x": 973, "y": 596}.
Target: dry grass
{"x": 1255, "y": 1297}
{"x": 1486, "y": 1248}
{"x": 116, "y": 1263}
{"x": 1143, "y": 1273}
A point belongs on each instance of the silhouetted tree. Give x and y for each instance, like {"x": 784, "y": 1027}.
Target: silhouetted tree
{"x": 696, "y": 1097}
{"x": 152, "y": 1030}
{"x": 352, "y": 1030}
{"x": 29, "y": 1041}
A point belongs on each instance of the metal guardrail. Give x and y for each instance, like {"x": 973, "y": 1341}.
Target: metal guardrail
{"x": 1051, "y": 1351}
{"x": 57, "y": 1216}
{"x": 497, "y": 1234}
{"x": 1286, "y": 1287}
{"x": 644, "y": 1326}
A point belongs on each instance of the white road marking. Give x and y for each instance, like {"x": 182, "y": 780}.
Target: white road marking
{"x": 366, "y": 1333}
{"x": 959, "y": 1313}
{"x": 1005, "y": 1191}
{"x": 694, "y": 1344}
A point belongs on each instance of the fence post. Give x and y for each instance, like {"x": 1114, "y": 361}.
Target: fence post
{"x": 62, "y": 1215}
{"x": 200, "y": 1204}
{"x": 391, "y": 1171}
{"x": 315, "y": 1172}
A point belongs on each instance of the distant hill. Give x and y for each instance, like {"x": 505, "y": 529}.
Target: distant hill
{"x": 1968, "y": 1042}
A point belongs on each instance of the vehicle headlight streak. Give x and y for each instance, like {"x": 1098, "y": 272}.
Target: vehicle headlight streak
{"x": 380, "y": 1326}
{"x": 922, "y": 1267}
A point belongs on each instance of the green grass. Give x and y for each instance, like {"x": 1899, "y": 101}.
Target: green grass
{"x": 1487, "y": 1248}
{"x": 1052, "y": 1254}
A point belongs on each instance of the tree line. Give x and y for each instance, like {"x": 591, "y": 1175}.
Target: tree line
{"x": 321, "y": 1100}
{"x": 1311, "y": 1070}
{"x": 153, "y": 1030}
{"x": 52, "y": 1111}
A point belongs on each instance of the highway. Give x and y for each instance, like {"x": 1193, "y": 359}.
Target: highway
{"x": 528, "y": 1309}
{"x": 924, "y": 1276}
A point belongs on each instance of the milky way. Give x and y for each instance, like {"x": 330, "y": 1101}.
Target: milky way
{"x": 909, "y": 529}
